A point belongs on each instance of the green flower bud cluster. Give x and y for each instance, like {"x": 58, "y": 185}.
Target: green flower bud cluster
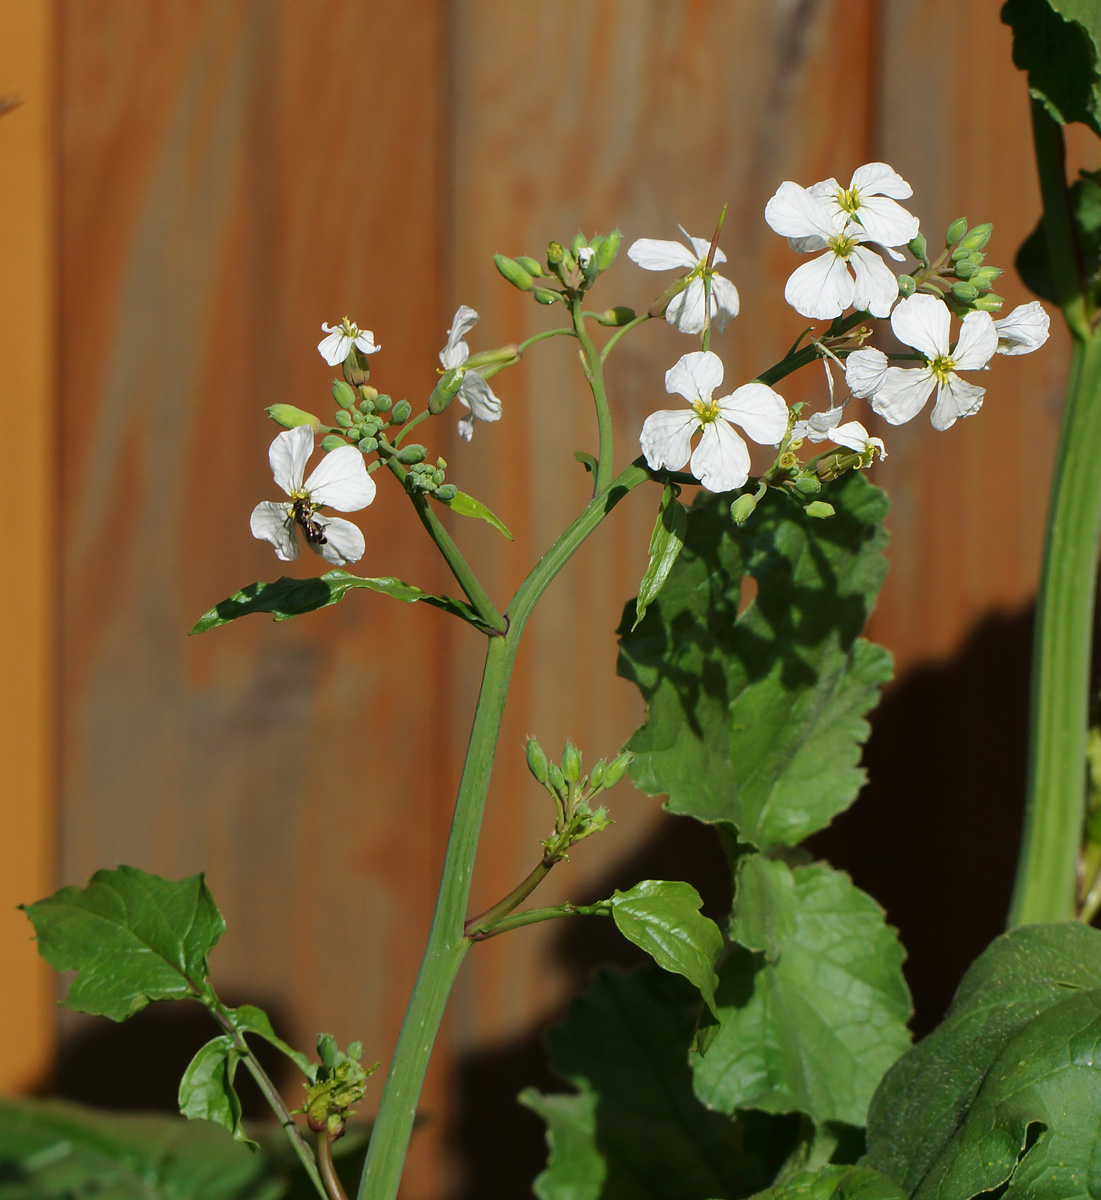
{"x": 362, "y": 415}
{"x": 575, "y": 269}
{"x": 336, "y": 1084}
{"x": 959, "y": 276}
{"x": 572, "y": 793}
{"x": 426, "y": 477}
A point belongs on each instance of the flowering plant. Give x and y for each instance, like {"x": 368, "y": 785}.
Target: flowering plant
{"x": 768, "y": 1053}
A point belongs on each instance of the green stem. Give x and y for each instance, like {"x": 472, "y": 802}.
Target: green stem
{"x": 478, "y": 926}
{"x": 542, "y": 337}
{"x": 623, "y": 329}
{"x": 534, "y": 915}
{"x": 333, "y": 1186}
{"x": 409, "y": 426}
{"x": 594, "y": 372}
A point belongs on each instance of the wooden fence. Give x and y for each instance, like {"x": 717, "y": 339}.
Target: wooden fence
{"x": 188, "y": 190}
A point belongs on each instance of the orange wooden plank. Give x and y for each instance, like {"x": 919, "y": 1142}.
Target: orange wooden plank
{"x": 28, "y": 349}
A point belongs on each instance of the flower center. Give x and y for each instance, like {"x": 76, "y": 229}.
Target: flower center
{"x": 942, "y": 367}
{"x": 843, "y": 245}
{"x": 707, "y": 410}
{"x": 349, "y": 328}
{"x": 848, "y": 200}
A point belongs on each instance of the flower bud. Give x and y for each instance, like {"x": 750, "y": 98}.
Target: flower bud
{"x": 906, "y": 285}
{"x": 976, "y": 239}
{"x": 530, "y": 265}
{"x": 332, "y": 442}
{"x": 571, "y": 762}
{"x": 446, "y": 390}
{"x": 620, "y": 315}
{"x": 344, "y": 419}
{"x": 555, "y": 255}
{"x": 955, "y": 231}
{"x": 413, "y": 453}
{"x": 578, "y": 243}
{"x": 617, "y": 768}
{"x": 368, "y": 444}
{"x": 401, "y": 412}
{"x": 327, "y": 1050}
{"x": 382, "y": 403}
{"x": 919, "y": 248}
{"x": 555, "y": 778}
{"x": 343, "y": 394}
{"x": 984, "y": 277}
{"x": 546, "y": 296}
{"x": 537, "y": 760}
{"x": 965, "y": 269}
{"x": 512, "y": 271}
{"x": 808, "y": 485}
{"x": 597, "y": 776}
{"x": 447, "y": 492}
{"x": 742, "y": 508}
{"x": 819, "y": 508}
{"x": 990, "y": 303}
{"x": 290, "y": 417}
{"x": 609, "y": 248}
{"x": 965, "y": 292}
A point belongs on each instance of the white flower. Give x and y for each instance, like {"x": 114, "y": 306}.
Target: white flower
{"x": 340, "y": 481}
{"x": 473, "y": 392}
{"x": 871, "y": 200}
{"x": 823, "y": 288}
{"x": 924, "y": 322}
{"x": 585, "y": 257}
{"x": 1024, "y": 330}
{"x": 853, "y": 436}
{"x": 819, "y": 426}
{"x": 721, "y": 460}
{"x": 685, "y": 310}
{"x": 338, "y": 345}
{"x": 827, "y": 427}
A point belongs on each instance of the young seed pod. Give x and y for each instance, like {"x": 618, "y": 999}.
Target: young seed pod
{"x": 955, "y": 231}
{"x": 537, "y": 759}
{"x": 511, "y": 270}
{"x": 571, "y": 762}
{"x": 289, "y": 417}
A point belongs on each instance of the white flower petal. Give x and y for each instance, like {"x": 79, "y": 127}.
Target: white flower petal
{"x": 852, "y": 435}
{"x": 876, "y": 288}
{"x": 685, "y": 310}
{"x": 479, "y": 397}
{"x": 666, "y": 437}
{"x": 702, "y": 247}
{"x": 456, "y": 352}
{"x": 335, "y": 348}
{"x": 823, "y": 422}
{"x": 879, "y": 179}
{"x": 274, "y": 522}
{"x": 808, "y": 245}
{"x": 341, "y": 481}
{"x": 1024, "y": 330}
{"x": 864, "y": 371}
{"x": 978, "y": 342}
{"x": 826, "y": 189}
{"x": 466, "y": 427}
{"x": 654, "y": 254}
{"x": 886, "y": 221}
{"x": 760, "y": 411}
{"x": 903, "y": 393}
{"x": 721, "y": 461}
{"x": 343, "y": 542}
{"x": 923, "y": 322}
{"x": 365, "y": 342}
{"x": 287, "y": 456}
{"x": 695, "y": 376}
{"x": 821, "y": 288}
{"x": 725, "y": 302}
{"x": 795, "y": 213}
{"x": 956, "y": 398}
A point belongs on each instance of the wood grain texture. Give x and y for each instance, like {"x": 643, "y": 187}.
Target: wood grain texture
{"x": 28, "y": 650}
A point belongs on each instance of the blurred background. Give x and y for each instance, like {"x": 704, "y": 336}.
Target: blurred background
{"x": 188, "y": 188}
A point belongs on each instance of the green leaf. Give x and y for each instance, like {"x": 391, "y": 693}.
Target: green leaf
{"x": 664, "y": 919}
{"x": 756, "y": 720}
{"x": 1057, "y": 42}
{"x": 1033, "y": 264}
{"x": 53, "y": 1150}
{"x": 467, "y": 506}
{"x": 286, "y": 598}
{"x": 1008, "y": 1087}
{"x": 635, "y": 1128}
{"x": 815, "y": 1030}
{"x": 766, "y": 909}
{"x": 250, "y": 1019}
{"x": 834, "y": 1183}
{"x": 666, "y": 543}
{"x": 206, "y": 1089}
{"x": 132, "y": 937}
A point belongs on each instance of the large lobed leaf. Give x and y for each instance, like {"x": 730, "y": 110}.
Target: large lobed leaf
{"x": 814, "y": 1029}
{"x": 1007, "y": 1091}
{"x": 635, "y": 1129}
{"x": 756, "y": 720}
{"x": 834, "y": 1183}
{"x": 132, "y": 938}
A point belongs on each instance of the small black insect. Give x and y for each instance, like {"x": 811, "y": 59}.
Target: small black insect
{"x": 311, "y": 527}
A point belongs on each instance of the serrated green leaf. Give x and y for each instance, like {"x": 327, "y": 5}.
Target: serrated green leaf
{"x": 766, "y": 907}
{"x": 666, "y": 543}
{"x": 54, "y": 1150}
{"x": 636, "y": 1129}
{"x": 814, "y": 1031}
{"x": 834, "y": 1183}
{"x": 467, "y": 506}
{"x": 206, "y": 1089}
{"x": 664, "y": 919}
{"x": 250, "y": 1019}
{"x": 1015, "y": 1052}
{"x": 133, "y": 938}
{"x": 756, "y": 720}
{"x": 1058, "y": 42}
{"x": 287, "y": 598}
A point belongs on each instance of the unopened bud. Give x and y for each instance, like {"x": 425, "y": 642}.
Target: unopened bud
{"x": 537, "y": 760}
{"x": 965, "y": 269}
{"x": 383, "y": 403}
{"x": 906, "y": 285}
{"x": 546, "y": 296}
{"x": 617, "y": 768}
{"x": 919, "y": 248}
{"x": 955, "y": 231}
{"x": 555, "y": 255}
{"x": 742, "y": 508}
{"x": 571, "y": 762}
{"x": 965, "y": 292}
{"x": 984, "y": 277}
{"x": 401, "y": 412}
{"x": 976, "y": 239}
{"x": 332, "y": 442}
{"x": 597, "y": 776}
{"x": 368, "y": 444}
{"x": 620, "y": 315}
{"x": 446, "y": 389}
{"x": 990, "y": 303}
{"x": 530, "y": 265}
{"x": 413, "y": 453}
{"x": 808, "y": 485}
{"x": 512, "y": 271}
{"x": 290, "y": 417}
{"x": 555, "y": 778}
{"x": 580, "y": 242}
{"x": 355, "y": 368}
{"x": 447, "y": 492}
{"x": 343, "y": 394}
{"x": 819, "y": 508}
{"x": 344, "y": 419}
{"x": 609, "y": 248}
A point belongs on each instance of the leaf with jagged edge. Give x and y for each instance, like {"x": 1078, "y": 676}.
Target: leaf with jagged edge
{"x": 833, "y": 1182}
